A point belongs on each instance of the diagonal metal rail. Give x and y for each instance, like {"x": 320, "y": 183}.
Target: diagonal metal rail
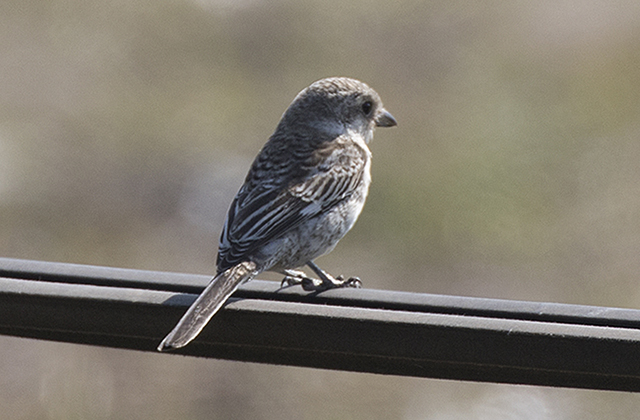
{"x": 358, "y": 330}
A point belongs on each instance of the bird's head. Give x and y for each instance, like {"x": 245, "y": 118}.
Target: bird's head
{"x": 336, "y": 105}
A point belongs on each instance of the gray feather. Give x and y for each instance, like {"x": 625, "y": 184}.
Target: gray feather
{"x": 207, "y": 304}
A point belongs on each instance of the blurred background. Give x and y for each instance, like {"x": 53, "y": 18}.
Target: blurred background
{"x": 126, "y": 127}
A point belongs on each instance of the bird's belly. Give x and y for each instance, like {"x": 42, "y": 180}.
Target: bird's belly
{"x": 312, "y": 238}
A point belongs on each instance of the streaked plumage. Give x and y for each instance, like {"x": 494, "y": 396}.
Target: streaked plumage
{"x": 303, "y": 193}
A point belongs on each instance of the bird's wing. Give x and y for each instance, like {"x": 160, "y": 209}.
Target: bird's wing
{"x": 267, "y": 211}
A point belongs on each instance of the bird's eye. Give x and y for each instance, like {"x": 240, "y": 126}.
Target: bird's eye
{"x": 367, "y": 107}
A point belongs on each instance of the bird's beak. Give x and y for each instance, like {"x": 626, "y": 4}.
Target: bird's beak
{"x": 385, "y": 119}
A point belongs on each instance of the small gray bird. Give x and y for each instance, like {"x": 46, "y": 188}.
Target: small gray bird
{"x": 303, "y": 193}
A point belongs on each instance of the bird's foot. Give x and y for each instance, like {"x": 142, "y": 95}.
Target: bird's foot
{"x": 307, "y": 283}
{"x": 325, "y": 282}
{"x": 354, "y": 282}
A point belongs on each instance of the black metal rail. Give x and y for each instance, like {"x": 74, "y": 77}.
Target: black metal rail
{"x": 351, "y": 329}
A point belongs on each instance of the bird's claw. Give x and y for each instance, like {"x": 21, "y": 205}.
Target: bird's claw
{"x": 354, "y": 282}
{"x": 290, "y": 281}
{"x": 310, "y": 284}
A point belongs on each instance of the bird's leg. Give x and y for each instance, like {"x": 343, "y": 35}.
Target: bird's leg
{"x": 330, "y": 282}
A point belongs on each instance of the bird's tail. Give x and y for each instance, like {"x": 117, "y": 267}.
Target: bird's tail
{"x": 207, "y": 304}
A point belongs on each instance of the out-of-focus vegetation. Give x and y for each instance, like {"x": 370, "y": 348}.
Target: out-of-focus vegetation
{"x": 126, "y": 128}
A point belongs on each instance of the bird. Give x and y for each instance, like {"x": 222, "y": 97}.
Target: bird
{"x": 303, "y": 192}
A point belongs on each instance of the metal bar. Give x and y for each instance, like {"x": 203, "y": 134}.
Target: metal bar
{"x": 350, "y": 329}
